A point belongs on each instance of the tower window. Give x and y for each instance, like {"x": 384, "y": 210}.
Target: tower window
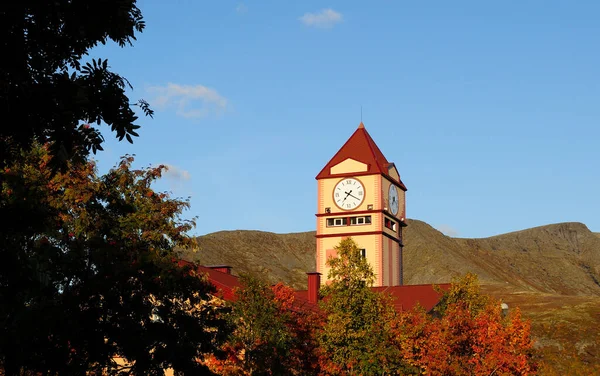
{"x": 390, "y": 224}
{"x": 332, "y": 222}
{"x": 363, "y": 252}
{"x": 360, "y": 220}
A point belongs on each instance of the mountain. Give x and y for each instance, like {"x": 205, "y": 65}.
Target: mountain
{"x": 280, "y": 257}
{"x": 551, "y": 272}
{"x": 560, "y": 258}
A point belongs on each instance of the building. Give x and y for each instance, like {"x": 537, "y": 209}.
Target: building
{"x": 404, "y": 297}
{"x": 360, "y": 195}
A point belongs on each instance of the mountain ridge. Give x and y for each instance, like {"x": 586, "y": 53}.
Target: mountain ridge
{"x": 559, "y": 258}
{"x": 551, "y": 272}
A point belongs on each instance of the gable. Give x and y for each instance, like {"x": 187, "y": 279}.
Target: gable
{"x": 359, "y": 147}
{"x": 393, "y": 172}
{"x": 347, "y": 166}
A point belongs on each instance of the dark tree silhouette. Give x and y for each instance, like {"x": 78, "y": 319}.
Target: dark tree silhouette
{"x": 94, "y": 278}
{"x": 47, "y": 93}
{"x": 86, "y": 261}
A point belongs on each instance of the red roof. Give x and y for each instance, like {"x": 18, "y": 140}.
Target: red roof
{"x": 405, "y": 297}
{"x": 224, "y": 282}
{"x": 360, "y": 147}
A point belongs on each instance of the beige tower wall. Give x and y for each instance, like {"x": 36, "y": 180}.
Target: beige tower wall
{"x": 371, "y": 243}
{"x": 391, "y": 262}
{"x": 383, "y": 253}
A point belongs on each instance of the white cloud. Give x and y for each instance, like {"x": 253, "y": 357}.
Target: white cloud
{"x": 323, "y": 19}
{"x": 447, "y": 230}
{"x": 188, "y": 101}
{"x": 175, "y": 173}
{"x": 241, "y": 8}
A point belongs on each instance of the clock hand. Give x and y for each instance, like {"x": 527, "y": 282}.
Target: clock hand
{"x": 351, "y": 195}
{"x": 347, "y": 194}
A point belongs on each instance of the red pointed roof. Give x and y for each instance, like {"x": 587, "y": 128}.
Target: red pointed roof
{"x": 360, "y": 147}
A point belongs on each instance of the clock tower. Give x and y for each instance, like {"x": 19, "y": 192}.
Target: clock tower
{"x": 360, "y": 195}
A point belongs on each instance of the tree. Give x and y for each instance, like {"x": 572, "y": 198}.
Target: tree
{"x": 357, "y": 335}
{"x": 272, "y": 334}
{"x": 464, "y": 290}
{"x": 467, "y": 336}
{"x": 48, "y": 93}
{"x": 93, "y": 277}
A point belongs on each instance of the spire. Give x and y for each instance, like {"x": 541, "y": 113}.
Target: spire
{"x": 360, "y": 147}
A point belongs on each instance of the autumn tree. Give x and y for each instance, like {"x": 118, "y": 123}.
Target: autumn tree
{"x": 93, "y": 278}
{"x": 356, "y": 337}
{"x": 464, "y": 290}
{"x": 468, "y": 335}
{"x": 50, "y": 91}
{"x": 273, "y": 334}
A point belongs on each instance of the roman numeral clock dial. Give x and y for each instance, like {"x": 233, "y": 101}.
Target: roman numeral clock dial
{"x": 348, "y": 194}
{"x": 393, "y": 199}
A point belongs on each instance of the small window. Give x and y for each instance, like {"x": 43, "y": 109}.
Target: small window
{"x": 360, "y": 220}
{"x": 336, "y": 222}
{"x": 363, "y": 252}
{"x": 390, "y": 224}
{"x": 357, "y": 220}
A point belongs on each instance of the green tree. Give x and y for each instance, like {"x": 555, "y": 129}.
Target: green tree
{"x": 357, "y": 335}
{"x": 48, "y": 92}
{"x": 272, "y": 335}
{"x": 94, "y": 278}
{"x": 259, "y": 329}
{"x": 465, "y": 290}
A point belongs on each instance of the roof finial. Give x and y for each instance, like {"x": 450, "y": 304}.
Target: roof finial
{"x": 361, "y": 125}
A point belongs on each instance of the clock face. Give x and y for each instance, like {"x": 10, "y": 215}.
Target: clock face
{"x": 393, "y": 199}
{"x": 348, "y": 193}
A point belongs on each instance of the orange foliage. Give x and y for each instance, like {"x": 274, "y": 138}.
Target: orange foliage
{"x": 462, "y": 342}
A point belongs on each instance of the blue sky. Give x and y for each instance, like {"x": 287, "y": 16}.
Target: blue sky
{"x": 491, "y": 111}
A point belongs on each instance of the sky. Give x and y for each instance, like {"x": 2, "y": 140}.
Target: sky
{"x": 490, "y": 110}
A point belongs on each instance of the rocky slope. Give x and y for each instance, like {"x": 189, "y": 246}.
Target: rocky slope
{"x": 561, "y": 258}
